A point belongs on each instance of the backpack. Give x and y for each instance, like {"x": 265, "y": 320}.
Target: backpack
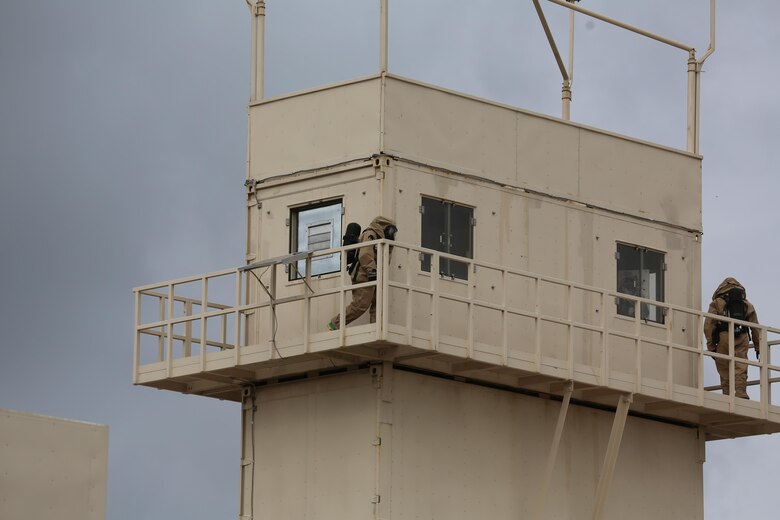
{"x": 735, "y": 308}
{"x": 351, "y": 237}
{"x": 735, "y": 305}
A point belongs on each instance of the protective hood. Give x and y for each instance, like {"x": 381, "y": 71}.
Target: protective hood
{"x": 726, "y": 285}
{"x": 379, "y": 224}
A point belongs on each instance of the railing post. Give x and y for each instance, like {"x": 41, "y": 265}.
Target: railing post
{"x": 504, "y": 321}
{"x": 136, "y": 335}
{"x": 701, "y": 358}
{"x": 604, "y": 341}
{"x": 669, "y": 355}
{"x": 379, "y": 292}
{"x": 470, "y": 317}
{"x": 410, "y": 268}
{"x": 237, "y": 325}
{"x": 732, "y": 369}
{"x": 570, "y": 330}
{"x": 638, "y": 343}
{"x": 272, "y": 315}
{"x": 161, "y": 302}
{"x": 187, "y": 346}
{"x": 538, "y": 320}
{"x": 204, "y": 306}
{"x": 307, "y": 302}
{"x": 169, "y": 342}
{"x": 435, "y": 275}
{"x": 764, "y": 375}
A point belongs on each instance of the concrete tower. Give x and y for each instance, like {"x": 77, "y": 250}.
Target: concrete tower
{"x": 537, "y": 348}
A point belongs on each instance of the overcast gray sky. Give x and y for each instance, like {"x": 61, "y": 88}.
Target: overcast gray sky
{"x": 122, "y": 151}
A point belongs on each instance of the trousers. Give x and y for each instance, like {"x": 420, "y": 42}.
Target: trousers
{"x": 741, "y": 345}
{"x": 363, "y": 299}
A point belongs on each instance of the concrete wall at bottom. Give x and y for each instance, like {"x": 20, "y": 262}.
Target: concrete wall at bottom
{"x": 403, "y": 445}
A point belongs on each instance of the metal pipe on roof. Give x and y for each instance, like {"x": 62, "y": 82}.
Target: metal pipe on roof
{"x": 618, "y": 23}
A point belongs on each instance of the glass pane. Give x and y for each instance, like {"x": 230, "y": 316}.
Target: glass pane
{"x": 628, "y": 279}
{"x": 460, "y": 240}
{"x": 434, "y": 225}
{"x": 652, "y": 284}
{"x": 316, "y": 229}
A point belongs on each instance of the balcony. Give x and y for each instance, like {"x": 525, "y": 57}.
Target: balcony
{"x": 215, "y": 333}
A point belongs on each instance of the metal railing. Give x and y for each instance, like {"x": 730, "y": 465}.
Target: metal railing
{"x": 493, "y": 314}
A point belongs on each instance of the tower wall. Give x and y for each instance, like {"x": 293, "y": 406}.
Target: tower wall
{"x": 416, "y": 446}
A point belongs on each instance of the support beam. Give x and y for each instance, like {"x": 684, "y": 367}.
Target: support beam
{"x": 610, "y": 458}
{"x": 553, "y": 455}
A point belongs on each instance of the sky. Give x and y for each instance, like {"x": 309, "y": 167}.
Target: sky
{"x": 122, "y": 162}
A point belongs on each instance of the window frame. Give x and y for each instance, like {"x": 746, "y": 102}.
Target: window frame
{"x": 644, "y": 287}
{"x": 447, "y": 267}
{"x": 298, "y": 272}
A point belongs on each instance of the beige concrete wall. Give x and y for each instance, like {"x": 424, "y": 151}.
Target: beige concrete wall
{"x": 452, "y": 450}
{"x": 519, "y": 148}
{"x": 52, "y": 469}
{"x": 313, "y": 129}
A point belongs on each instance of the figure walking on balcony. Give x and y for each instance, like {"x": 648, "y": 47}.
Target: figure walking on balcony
{"x": 364, "y": 298}
{"x": 730, "y": 300}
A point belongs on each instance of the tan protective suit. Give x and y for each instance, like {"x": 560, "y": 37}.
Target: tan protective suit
{"x": 741, "y": 342}
{"x": 365, "y": 298}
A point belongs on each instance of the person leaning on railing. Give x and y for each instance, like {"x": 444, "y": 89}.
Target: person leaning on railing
{"x": 364, "y": 298}
{"x": 730, "y": 300}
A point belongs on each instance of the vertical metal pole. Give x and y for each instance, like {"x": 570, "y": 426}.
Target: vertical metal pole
{"x": 383, "y": 36}
{"x": 693, "y": 78}
{"x": 553, "y": 455}
{"x": 258, "y": 50}
{"x": 610, "y": 458}
{"x": 566, "y": 89}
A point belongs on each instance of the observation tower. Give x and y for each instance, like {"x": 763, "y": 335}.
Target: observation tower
{"x": 537, "y": 350}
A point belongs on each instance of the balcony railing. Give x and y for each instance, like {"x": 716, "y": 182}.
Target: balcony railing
{"x": 497, "y": 317}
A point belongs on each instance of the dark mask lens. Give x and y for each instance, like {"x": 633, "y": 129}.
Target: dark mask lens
{"x": 390, "y": 232}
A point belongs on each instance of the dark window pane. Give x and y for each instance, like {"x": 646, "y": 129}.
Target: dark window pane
{"x": 460, "y": 240}
{"x": 640, "y": 273}
{"x": 628, "y": 267}
{"x": 652, "y": 284}
{"x": 434, "y": 224}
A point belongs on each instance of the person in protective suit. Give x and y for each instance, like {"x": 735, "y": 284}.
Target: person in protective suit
{"x": 365, "y": 298}
{"x": 731, "y": 294}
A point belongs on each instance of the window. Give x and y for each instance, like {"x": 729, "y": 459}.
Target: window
{"x": 449, "y": 228}
{"x": 314, "y": 228}
{"x": 640, "y": 272}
